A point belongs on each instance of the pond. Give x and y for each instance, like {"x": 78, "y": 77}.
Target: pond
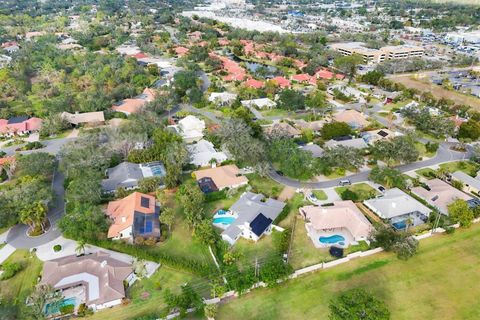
{"x": 261, "y": 70}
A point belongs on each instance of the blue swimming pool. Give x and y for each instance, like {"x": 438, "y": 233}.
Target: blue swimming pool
{"x": 221, "y": 212}
{"x": 55, "y": 308}
{"x": 223, "y": 220}
{"x": 336, "y": 238}
{"x": 400, "y": 225}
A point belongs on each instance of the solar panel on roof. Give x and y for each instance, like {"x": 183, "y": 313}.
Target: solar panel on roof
{"x": 145, "y": 202}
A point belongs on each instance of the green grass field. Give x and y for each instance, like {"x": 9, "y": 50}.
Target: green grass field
{"x": 466, "y": 166}
{"x": 15, "y": 290}
{"x": 266, "y": 186}
{"x": 440, "y": 282}
{"x": 363, "y": 191}
{"x": 147, "y": 295}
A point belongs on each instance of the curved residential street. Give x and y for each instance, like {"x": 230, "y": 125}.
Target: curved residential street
{"x": 444, "y": 154}
{"x": 17, "y": 236}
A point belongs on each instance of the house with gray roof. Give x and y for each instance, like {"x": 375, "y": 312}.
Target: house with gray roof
{"x": 470, "y": 184}
{"x": 127, "y": 175}
{"x": 314, "y": 149}
{"x": 253, "y": 217}
{"x": 398, "y": 207}
{"x": 357, "y": 143}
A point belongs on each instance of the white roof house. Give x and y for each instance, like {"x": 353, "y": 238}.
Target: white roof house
{"x": 203, "y": 152}
{"x": 190, "y": 128}
{"x": 395, "y": 203}
{"x": 222, "y": 98}
{"x": 470, "y": 184}
{"x": 262, "y": 103}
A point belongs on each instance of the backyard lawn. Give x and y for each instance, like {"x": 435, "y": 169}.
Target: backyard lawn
{"x": 303, "y": 253}
{"x": 468, "y": 167}
{"x": 440, "y": 282}
{"x": 320, "y": 194}
{"x": 15, "y": 290}
{"x": 147, "y": 295}
{"x": 363, "y": 191}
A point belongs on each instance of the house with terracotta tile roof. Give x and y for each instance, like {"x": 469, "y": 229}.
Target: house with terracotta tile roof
{"x": 22, "y": 125}
{"x": 97, "y": 279}
{"x": 303, "y": 77}
{"x": 282, "y": 82}
{"x": 219, "y": 178}
{"x": 181, "y": 51}
{"x": 328, "y": 75}
{"x": 136, "y": 215}
{"x": 134, "y": 105}
{"x": 255, "y": 84}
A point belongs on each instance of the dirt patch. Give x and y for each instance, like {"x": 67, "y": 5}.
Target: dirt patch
{"x": 437, "y": 91}
{"x": 286, "y": 194}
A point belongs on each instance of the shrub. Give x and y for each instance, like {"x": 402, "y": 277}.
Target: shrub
{"x": 10, "y": 269}
{"x": 349, "y": 195}
{"x": 215, "y": 196}
{"x": 83, "y": 310}
{"x": 57, "y": 248}
{"x": 68, "y": 309}
{"x": 449, "y": 230}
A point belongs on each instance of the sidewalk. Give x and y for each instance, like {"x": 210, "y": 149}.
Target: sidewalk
{"x": 6, "y": 252}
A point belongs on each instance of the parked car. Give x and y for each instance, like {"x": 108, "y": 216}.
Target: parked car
{"x": 345, "y": 182}
{"x": 311, "y": 197}
{"x": 381, "y": 189}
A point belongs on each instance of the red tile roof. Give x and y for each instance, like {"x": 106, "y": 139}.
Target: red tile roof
{"x": 282, "y": 82}
{"x": 32, "y": 124}
{"x": 252, "y": 83}
{"x": 304, "y": 77}
{"x": 122, "y": 211}
{"x": 181, "y": 51}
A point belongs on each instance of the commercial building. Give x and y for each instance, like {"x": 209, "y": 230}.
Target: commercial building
{"x": 371, "y": 56}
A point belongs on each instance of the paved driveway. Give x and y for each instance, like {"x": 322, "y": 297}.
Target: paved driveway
{"x": 51, "y": 146}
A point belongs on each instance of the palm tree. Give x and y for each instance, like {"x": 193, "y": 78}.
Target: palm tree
{"x": 408, "y": 222}
{"x": 81, "y": 246}
{"x": 34, "y": 216}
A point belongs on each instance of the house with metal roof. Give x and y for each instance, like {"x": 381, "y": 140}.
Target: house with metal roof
{"x": 357, "y": 143}
{"x": 252, "y": 215}
{"x": 261, "y": 103}
{"x": 399, "y": 208}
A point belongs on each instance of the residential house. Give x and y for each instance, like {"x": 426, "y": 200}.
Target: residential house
{"x": 282, "y": 128}
{"x": 357, "y": 143}
{"x": 301, "y": 78}
{"x": 22, "y": 125}
{"x": 134, "y": 105}
{"x": 96, "y": 280}
{"x": 203, "y": 152}
{"x": 470, "y": 184}
{"x": 315, "y": 126}
{"x": 373, "y": 136}
{"x": 399, "y": 208}
{"x": 222, "y": 98}
{"x": 314, "y": 149}
{"x": 181, "y": 51}
{"x": 355, "y": 119}
{"x": 282, "y": 82}
{"x": 254, "y": 215}
{"x": 219, "y": 178}
{"x": 190, "y": 128}
{"x": 347, "y": 91}
{"x": 87, "y": 118}
{"x": 341, "y": 224}
{"x": 440, "y": 194}
{"x": 326, "y": 74}
{"x": 262, "y": 103}
{"x": 127, "y": 175}
{"x": 254, "y": 84}
{"x": 136, "y": 215}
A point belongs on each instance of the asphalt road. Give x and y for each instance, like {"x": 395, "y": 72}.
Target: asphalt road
{"x": 17, "y": 236}
{"x": 51, "y": 146}
{"x": 444, "y": 154}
